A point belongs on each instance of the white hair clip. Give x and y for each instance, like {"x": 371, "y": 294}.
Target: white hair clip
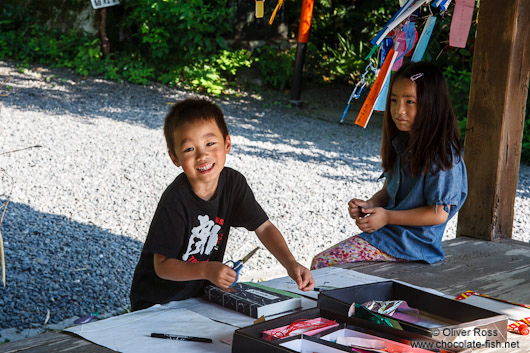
{"x": 416, "y": 76}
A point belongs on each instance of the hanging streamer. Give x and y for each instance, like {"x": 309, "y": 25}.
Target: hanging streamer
{"x": 461, "y": 23}
{"x": 357, "y": 90}
{"x": 278, "y": 5}
{"x": 411, "y": 35}
{"x": 400, "y": 41}
{"x": 442, "y": 4}
{"x": 399, "y": 17}
{"x": 424, "y": 39}
{"x": 372, "y": 52}
{"x": 406, "y": 39}
{"x": 387, "y": 44}
{"x": 368, "y": 106}
{"x": 390, "y": 25}
{"x": 380, "y": 104}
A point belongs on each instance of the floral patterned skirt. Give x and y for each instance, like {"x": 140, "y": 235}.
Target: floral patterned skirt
{"x": 353, "y": 249}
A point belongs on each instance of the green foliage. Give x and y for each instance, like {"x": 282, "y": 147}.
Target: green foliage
{"x": 212, "y": 74}
{"x": 230, "y": 61}
{"x": 459, "y": 83}
{"x": 136, "y": 71}
{"x": 275, "y": 66}
{"x": 176, "y": 43}
{"x": 181, "y": 43}
{"x": 341, "y": 32}
{"x": 178, "y": 31}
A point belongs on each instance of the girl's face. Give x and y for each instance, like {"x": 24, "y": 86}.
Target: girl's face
{"x": 403, "y": 103}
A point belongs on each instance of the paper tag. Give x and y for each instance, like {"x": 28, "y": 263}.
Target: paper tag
{"x": 260, "y": 5}
{"x": 461, "y": 23}
{"x": 424, "y": 39}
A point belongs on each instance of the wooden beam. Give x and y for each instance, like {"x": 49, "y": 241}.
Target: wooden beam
{"x": 499, "y": 89}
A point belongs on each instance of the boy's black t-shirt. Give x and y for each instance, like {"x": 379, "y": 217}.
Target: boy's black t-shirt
{"x": 187, "y": 228}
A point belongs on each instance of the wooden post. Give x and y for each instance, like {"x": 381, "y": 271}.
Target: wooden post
{"x": 105, "y": 44}
{"x": 499, "y": 89}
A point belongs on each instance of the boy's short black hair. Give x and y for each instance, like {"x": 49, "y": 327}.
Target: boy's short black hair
{"x": 190, "y": 110}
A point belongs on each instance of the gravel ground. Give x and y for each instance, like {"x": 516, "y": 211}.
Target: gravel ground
{"x": 81, "y": 203}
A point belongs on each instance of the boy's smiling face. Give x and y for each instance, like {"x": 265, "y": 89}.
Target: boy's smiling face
{"x": 201, "y": 150}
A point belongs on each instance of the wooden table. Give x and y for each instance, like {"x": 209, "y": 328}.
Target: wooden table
{"x": 500, "y": 269}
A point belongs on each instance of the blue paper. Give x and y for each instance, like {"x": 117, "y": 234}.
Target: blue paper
{"x": 424, "y": 39}
{"x": 380, "y": 103}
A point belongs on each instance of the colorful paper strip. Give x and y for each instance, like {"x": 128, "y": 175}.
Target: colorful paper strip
{"x": 424, "y": 39}
{"x": 369, "y": 103}
{"x": 461, "y": 23}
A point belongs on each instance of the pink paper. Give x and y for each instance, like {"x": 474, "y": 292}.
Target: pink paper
{"x": 461, "y": 23}
{"x": 401, "y": 38}
{"x": 313, "y": 327}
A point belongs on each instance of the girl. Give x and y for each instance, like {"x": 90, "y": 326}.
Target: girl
{"x": 426, "y": 181}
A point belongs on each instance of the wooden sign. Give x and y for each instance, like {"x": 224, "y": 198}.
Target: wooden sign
{"x": 98, "y": 4}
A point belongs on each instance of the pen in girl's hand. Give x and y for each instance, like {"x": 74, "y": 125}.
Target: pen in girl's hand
{"x": 180, "y": 337}
{"x": 361, "y": 213}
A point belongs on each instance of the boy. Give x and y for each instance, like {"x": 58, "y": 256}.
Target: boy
{"x": 187, "y": 238}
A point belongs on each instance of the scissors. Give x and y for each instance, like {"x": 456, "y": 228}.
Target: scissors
{"x": 238, "y": 265}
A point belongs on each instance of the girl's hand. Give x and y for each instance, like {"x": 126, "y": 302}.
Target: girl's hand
{"x": 376, "y": 219}
{"x": 353, "y": 208}
{"x": 220, "y": 274}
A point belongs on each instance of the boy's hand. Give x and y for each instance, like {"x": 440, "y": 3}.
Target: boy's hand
{"x": 220, "y": 274}
{"x": 354, "y": 210}
{"x": 302, "y": 276}
{"x": 376, "y": 219}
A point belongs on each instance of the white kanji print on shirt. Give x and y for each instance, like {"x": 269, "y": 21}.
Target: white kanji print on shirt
{"x": 203, "y": 238}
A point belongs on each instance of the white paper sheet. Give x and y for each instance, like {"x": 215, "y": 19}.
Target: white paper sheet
{"x": 131, "y": 332}
{"x": 198, "y": 317}
{"x": 325, "y": 278}
{"x": 213, "y": 311}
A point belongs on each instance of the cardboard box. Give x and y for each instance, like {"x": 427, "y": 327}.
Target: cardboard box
{"x": 458, "y": 324}
{"x": 250, "y": 339}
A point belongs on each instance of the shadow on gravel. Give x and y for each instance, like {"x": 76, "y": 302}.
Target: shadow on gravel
{"x": 72, "y": 269}
{"x": 60, "y": 92}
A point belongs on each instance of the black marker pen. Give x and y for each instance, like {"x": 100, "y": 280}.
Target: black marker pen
{"x": 180, "y": 337}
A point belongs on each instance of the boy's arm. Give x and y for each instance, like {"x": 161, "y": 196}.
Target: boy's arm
{"x": 273, "y": 240}
{"x": 178, "y": 270}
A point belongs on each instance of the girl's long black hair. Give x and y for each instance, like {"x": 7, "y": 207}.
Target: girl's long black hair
{"x": 434, "y": 136}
